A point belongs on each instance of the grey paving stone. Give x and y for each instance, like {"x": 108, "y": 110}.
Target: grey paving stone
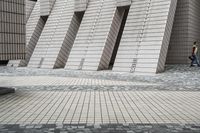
{"x": 175, "y": 77}
{"x": 113, "y": 128}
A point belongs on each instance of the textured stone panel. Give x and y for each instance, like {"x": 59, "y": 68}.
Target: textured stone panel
{"x": 12, "y": 29}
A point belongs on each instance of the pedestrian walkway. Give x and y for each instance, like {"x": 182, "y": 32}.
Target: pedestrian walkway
{"x": 63, "y": 81}
{"x": 85, "y": 101}
{"x": 100, "y": 107}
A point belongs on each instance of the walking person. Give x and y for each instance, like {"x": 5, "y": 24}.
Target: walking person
{"x": 194, "y": 56}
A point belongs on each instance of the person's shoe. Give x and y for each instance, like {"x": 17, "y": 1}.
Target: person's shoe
{"x": 191, "y": 65}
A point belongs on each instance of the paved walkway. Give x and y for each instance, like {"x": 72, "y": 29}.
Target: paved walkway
{"x": 64, "y": 81}
{"x": 68, "y": 101}
{"x": 100, "y": 107}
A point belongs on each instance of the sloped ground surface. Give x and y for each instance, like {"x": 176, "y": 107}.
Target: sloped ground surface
{"x": 64, "y": 101}
{"x": 176, "y": 77}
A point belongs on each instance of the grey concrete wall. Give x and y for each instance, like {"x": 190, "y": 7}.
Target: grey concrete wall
{"x": 12, "y": 29}
{"x": 194, "y": 25}
{"x": 186, "y": 30}
{"x": 146, "y": 36}
{"x": 178, "y": 48}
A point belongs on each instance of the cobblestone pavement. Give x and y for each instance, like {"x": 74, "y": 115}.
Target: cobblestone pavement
{"x": 82, "y": 101}
{"x": 102, "y": 128}
{"x": 174, "y": 78}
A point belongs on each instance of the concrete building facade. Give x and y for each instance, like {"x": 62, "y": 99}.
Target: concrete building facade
{"x": 12, "y": 29}
{"x": 137, "y": 36}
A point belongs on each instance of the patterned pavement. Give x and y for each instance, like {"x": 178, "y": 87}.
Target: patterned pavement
{"x": 103, "y": 128}
{"x": 64, "y": 101}
{"x": 100, "y": 107}
{"x": 64, "y": 81}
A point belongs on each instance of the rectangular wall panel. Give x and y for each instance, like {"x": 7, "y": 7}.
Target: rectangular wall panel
{"x": 29, "y": 8}
{"x": 46, "y": 7}
{"x": 146, "y": 36}
{"x": 123, "y": 3}
{"x": 56, "y": 40}
{"x": 12, "y": 29}
{"x": 96, "y": 37}
{"x": 80, "y": 5}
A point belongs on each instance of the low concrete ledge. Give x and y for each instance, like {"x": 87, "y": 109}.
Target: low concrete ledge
{"x": 6, "y": 90}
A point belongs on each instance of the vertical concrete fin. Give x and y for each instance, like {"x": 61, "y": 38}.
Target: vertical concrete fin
{"x": 111, "y": 39}
{"x": 69, "y": 40}
{"x": 57, "y": 37}
{"x": 96, "y": 37}
{"x": 140, "y": 47}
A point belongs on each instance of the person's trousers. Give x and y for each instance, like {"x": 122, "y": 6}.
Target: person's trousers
{"x": 195, "y": 60}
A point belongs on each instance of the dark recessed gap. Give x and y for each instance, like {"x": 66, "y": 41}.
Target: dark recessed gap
{"x": 44, "y": 18}
{"x": 79, "y": 16}
{"x": 3, "y": 62}
{"x": 119, "y": 36}
{"x": 71, "y": 36}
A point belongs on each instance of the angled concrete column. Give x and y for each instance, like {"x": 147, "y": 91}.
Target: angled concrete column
{"x": 46, "y": 7}
{"x": 96, "y": 37}
{"x": 146, "y": 36}
{"x": 123, "y": 3}
{"x": 57, "y": 38}
{"x": 29, "y": 8}
{"x": 34, "y": 28}
{"x": 80, "y": 5}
